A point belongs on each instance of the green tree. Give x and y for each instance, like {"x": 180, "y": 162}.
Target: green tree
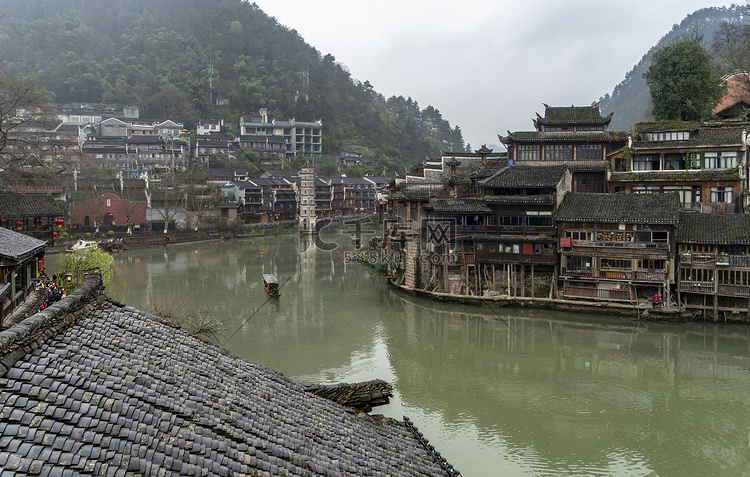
{"x": 76, "y": 265}
{"x": 684, "y": 83}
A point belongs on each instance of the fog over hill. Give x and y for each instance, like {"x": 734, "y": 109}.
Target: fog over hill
{"x": 630, "y": 100}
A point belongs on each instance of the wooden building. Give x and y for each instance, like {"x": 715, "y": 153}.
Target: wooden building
{"x": 714, "y": 262}
{"x": 34, "y": 214}
{"x": 617, "y": 247}
{"x": 20, "y": 257}
{"x": 520, "y": 233}
{"x": 564, "y": 134}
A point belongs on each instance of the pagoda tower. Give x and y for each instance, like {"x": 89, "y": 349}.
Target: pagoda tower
{"x": 306, "y": 211}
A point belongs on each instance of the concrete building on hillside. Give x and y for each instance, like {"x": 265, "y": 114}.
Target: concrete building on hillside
{"x": 262, "y": 132}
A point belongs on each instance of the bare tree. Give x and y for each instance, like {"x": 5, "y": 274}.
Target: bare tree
{"x": 31, "y": 150}
{"x": 167, "y": 199}
{"x": 23, "y": 102}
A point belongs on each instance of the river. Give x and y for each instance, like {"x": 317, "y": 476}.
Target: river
{"x": 498, "y": 391}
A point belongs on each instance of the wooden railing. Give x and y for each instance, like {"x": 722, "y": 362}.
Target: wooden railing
{"x": 696, "y": 287}
{"x": 596, "y": 293}
{"x": 734, "y": 290}
{"x": 501, "y": 257}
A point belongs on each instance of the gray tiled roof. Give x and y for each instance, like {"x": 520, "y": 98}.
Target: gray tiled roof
{"x": 460, "y": 206}
{"x": 715, "y": 229}
{"x": 92, "y": 386}
{"x": 619, "y": 208}
{"x": 16, "y": 247}
{"x": 587, "y": 166}
{"x": 526, "y": 176}
{"x": 573, "y": 115}
{"x": 546, "y": 199}
{"x": 685, "y": 176}
{"x": 13, "y": 205}
{"x": 563, "y": 137}
{"x": 700, "y": 137}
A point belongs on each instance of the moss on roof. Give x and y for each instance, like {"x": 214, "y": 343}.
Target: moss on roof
{"x": 619, "y": 208}
{"x": 716, "y": 229}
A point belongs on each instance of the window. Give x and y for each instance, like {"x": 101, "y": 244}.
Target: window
{"x": 668, "y": 136}
{"x": 652, "y": 264}
{"x": 722, "y": 195}
{"x": 579, "y": 235}
{"x": 589, "y": 152}
{"x": 509, "y": 221}
{"x": 673, "y": 162}
{"x": 639, "y": 189}
{"x": 617, "y": 263}
{"x": 697, "y": 275}
{"x": 578, "y": 263}
{"x": 728, "y": 160}
{"x": 559, "y": 152}
{"x": 711, "y": 160}
{"x": 539, "y": 221}
{"x": 529, "y": 152}
{"x": 660, "y": 236}
{"x": 690, "y": 196}
{"x": 734, "y": 277}
{"x": 646, "y": 162}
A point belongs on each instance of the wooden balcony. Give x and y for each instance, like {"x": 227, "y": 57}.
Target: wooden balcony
{"x": 734, "y": 290}
{"x": 696, "y": 287}
{"x": 627, "y": 275}
{"x": 500, "y": 257}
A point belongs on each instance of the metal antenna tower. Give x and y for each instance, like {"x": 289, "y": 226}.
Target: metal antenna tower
{"x": 211, "y": 81}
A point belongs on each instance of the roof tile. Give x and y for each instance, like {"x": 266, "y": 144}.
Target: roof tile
{"x": 619, "y": 208}
{"x": 255, "y": 408}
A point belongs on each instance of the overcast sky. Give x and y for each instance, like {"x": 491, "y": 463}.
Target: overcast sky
{"x": 486, "y": 65}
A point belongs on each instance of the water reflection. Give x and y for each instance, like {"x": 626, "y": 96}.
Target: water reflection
{"x": 498, "y": 391}
{"x": 581, "y": 397}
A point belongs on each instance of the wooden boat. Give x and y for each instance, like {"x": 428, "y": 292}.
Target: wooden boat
{"x": 112, "y": 245}
{"x": 271, "y": 284}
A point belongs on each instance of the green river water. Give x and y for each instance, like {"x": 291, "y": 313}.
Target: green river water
{"x": 498, "y": 391}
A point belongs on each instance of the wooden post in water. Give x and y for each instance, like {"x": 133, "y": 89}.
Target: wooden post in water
{"x": 716, "y": 307}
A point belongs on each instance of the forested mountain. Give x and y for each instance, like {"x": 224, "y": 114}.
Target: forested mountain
{"x": 180, "y": 58}
{"x": 631, "y": 99}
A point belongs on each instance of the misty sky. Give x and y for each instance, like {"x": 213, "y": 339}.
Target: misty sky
{"x": 487, "y": 65}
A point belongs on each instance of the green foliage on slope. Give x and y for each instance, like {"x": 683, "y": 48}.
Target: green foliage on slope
{"x": 631, "y": 100}
{"x": 158, "y": 54}
{"x": 683, "y": 82}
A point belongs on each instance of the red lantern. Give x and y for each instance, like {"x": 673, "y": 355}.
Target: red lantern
{"x": 54, "y": 234}
{"x": 59, "y": 222}
{"x": 19, "y": 224}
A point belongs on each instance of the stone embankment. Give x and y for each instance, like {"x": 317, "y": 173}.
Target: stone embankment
{"x": 173, "y": 237}
{"x": 640, "y": 311}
